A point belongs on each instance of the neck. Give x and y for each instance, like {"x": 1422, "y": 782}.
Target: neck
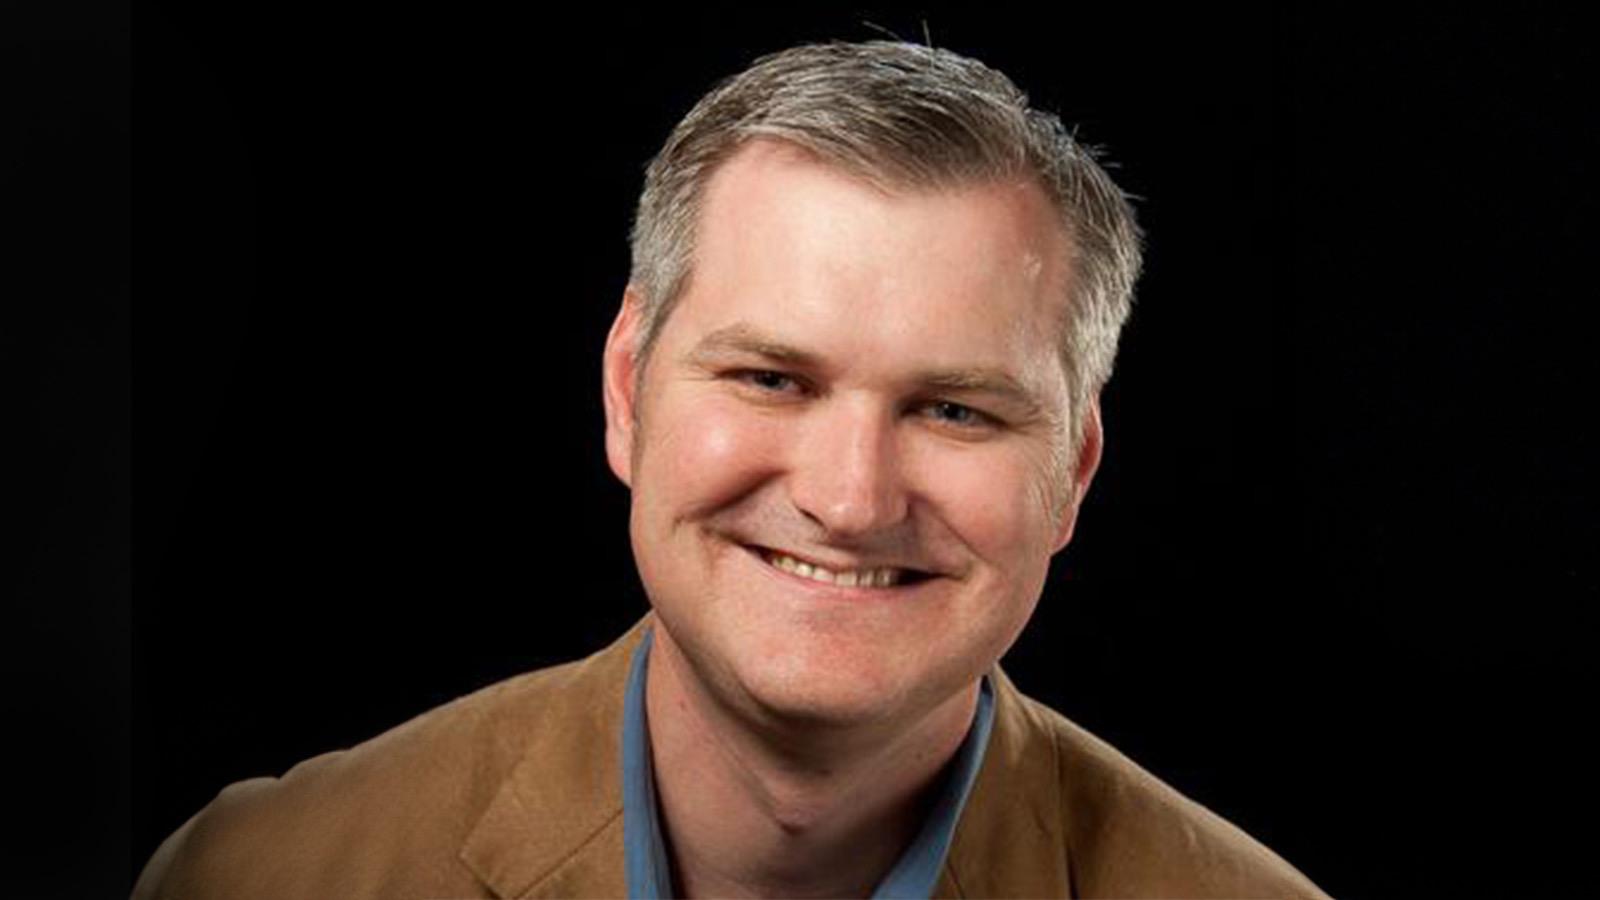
{"x": 768, "y": 809}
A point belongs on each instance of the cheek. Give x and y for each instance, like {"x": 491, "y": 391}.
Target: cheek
{"x": 996, "y": 503}
{"x": 710, "y": 456}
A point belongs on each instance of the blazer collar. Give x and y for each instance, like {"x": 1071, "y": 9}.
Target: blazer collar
{"x": 554, "y": 827}
{"x": 1010, "y": 841}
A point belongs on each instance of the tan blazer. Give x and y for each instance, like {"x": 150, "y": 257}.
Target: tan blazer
{"x": 515, "y": 791}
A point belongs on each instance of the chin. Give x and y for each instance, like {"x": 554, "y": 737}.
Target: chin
{"x": 821, "y": 689}
{"x": 817, "y": 703}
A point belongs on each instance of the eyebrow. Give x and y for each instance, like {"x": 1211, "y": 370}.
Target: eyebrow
{"x": 743, "y": 339}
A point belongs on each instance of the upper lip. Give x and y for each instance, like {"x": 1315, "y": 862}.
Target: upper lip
{"x": 855, "y": 565}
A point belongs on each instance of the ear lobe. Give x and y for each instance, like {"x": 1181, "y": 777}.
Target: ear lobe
{"x": 619, "y": 375}
{"x": 1083, "y": 469}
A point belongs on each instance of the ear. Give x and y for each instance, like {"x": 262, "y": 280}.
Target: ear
{"x": 619, "y": 380}
{"x": 1083, "y": 470}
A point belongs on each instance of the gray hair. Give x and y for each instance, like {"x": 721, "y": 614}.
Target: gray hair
{"x": 899, "y": 115}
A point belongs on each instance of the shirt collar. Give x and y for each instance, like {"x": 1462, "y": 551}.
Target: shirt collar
{"x": 914, "y": 875}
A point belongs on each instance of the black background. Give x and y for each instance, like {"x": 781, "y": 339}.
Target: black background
{"x": 1334, "y": 578}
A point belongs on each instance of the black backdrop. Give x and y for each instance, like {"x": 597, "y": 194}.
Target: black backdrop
{"x": 1333, "y": 579}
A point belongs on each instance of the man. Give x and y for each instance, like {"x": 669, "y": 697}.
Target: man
{"x": 853, "y": 387}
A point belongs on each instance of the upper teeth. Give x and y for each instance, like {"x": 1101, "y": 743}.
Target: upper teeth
{"x": 880, "y": 577}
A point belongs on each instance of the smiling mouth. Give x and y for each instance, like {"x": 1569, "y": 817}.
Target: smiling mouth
{"x": 873, "y": 577}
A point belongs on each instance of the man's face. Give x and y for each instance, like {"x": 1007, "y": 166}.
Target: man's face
{"x": 846, "y": 449}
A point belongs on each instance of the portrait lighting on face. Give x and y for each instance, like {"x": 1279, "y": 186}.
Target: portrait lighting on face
{"x": 857, "y": 384}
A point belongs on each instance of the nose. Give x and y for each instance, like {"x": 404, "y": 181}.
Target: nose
{"x": 846, "y": 473}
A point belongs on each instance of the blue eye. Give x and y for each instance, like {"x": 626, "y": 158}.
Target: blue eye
{"x": 768, "y": 381}
{"x": 956, "y": 414}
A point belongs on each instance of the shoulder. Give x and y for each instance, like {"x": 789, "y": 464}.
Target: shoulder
{"x": 1128, "y": 833}
{"x": 387, "y": 817}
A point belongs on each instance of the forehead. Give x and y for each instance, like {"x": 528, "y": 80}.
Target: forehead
{"x": 964, "y": 275}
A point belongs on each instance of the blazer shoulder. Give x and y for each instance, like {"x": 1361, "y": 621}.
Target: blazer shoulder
{"x": 1131, "y": 834}
{"x": 385, "y": 817}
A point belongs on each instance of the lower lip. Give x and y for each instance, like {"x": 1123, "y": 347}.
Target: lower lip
{"x": 852, "y": 593}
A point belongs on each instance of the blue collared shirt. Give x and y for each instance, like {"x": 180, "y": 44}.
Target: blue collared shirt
{"x": 914, "y": 875}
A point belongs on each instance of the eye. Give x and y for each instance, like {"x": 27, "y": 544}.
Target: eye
{"x": 766, "y": 381}
{"x": 958, "y": 415}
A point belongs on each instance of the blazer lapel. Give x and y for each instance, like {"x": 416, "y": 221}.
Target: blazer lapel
{"x": 554, "y": 827}
{"x": 1009, "y": 842}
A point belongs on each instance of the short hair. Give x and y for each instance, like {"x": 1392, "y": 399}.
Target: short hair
{"x": 899, "y": 115}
